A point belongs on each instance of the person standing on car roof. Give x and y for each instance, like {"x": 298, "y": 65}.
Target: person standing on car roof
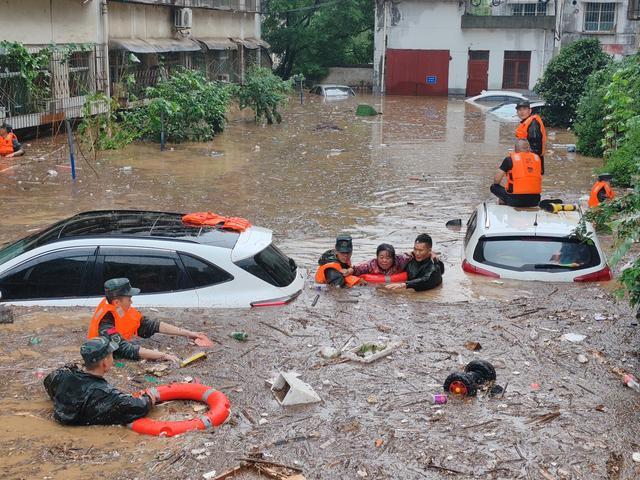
{"x": 84, "y": 397}
{"x": 334, "y": 264}
{"x": 532, "y": 129}
{"x": 523, "y": 170}
{"x": 116, "y": 319}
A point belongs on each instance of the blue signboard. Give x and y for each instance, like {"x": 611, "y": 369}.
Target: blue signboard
{"x": 432, "y": 80}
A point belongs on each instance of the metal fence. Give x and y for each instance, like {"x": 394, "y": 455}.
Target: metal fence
{"x": 502, "y": 8}
{"x": 58, "y": 91}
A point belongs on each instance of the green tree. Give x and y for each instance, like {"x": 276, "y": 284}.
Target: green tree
{"x": 264, "y": 92}
{"x": 564, "y": 80}
{"x": 311, "y": 35}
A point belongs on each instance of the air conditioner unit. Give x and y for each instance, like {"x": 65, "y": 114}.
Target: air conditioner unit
{"x": 223, "y": 77}
{"x": 182, "y": 18}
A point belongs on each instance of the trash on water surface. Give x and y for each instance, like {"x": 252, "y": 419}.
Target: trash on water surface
{"x": 573, "y": 337}
{"x": 370, "y": 351}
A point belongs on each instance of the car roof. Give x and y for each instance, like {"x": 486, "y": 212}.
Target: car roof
{"x": 330, "y": 85}
{"x": 506, "y": 220}
{"x": 134, "y": 223}
{"x": 489, "y": 93}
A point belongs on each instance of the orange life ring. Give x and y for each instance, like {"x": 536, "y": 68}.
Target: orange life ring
{"x": 218, "y": 409}
{"x": 380, "y": 278}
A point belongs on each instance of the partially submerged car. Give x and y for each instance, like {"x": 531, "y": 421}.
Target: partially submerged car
{"x": 492, "y": 98}
{"x": 333, "y": 91}
{"x": 173, "y": 263}
{"x": 507, "y": 111}
{"x": 532, "y": 244}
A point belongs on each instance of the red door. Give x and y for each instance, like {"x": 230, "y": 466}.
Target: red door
{"x": 477, "y": 72}
{"x": 417, "y": 72}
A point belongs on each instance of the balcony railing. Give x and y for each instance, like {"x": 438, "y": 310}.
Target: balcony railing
{"x": 239, "y": 5}
{"x": 516, "y": 14}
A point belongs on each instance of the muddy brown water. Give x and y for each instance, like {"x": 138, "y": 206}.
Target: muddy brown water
{"x": 382, "y": 179}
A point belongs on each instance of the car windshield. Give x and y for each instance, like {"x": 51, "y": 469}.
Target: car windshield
{"x": 545, "y": 254}
{"x": 12, "y": 250}
{"x": 337, "y": 91}
{"x": 272, "y": 266}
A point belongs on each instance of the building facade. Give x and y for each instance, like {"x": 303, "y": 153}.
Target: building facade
{"x": 445, "y": 47}
{"x": 120, "y": 47}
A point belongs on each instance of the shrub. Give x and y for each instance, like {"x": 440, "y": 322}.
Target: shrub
{"x": 104, "y": 128}
{"x": 190, "y": 107}
{"x": 563, "y": 81}
{"x": 622, "y": 103}
{"x": 623, "y": 162}
{"x": 589, "y": 124}
{"x": 264, "y": 92}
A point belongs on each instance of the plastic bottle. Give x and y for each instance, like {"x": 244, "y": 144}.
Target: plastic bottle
{"x": 631, "y": 382}
{"x": 242, "y": 336}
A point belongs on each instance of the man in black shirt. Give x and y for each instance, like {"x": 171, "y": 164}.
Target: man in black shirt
{"x": 84, "y": 397}
{"x": 424, "y": 271}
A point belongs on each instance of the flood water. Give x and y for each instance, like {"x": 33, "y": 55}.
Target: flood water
{"x": 323, "y": 171}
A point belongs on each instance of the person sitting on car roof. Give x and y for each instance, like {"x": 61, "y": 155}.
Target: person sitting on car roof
{"x": 523, "y": 170}
{"x": 117, "y": 319}
{"x": 334, "y": 264}
{"x": 84, "y": 397}
{"x": 424, "y": 271}
{"x": 532, "y": 129}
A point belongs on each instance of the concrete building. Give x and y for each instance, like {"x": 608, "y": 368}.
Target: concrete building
{"x": 425, "y": 47}
{"x": 120, "y": 47}
{"x": 440, "y": 47}
{"x": 614, "y": 22}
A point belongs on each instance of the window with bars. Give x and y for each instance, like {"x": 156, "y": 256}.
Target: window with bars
{"x": 633, "y": 12}
{"x": 529, "y": 9}
{"x": 80, "y": 81}
{"x": 515, "y": 72}
{"x": 599, "y": 17}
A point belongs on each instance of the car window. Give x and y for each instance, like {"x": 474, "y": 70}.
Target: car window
{"x": 272, "y": 266}
{"x": 540, "y": 254}
{"x": 334, "y": 91}
{"x": 471, "y": 227}
{"x": 50, "y": 276}
{"x": 151, "y": 274}
{"x": 203, "y": 273}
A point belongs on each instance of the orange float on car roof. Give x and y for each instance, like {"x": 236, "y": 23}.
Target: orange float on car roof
{"x": 213, "y": 219}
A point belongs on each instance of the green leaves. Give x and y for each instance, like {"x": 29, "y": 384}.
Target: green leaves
{"x": 563, "y": 82}
{"x": 264, "y": 92}
{"x": 310, "y": 35}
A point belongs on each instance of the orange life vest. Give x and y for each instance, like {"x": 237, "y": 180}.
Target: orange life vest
{"x": 6, "y": 145}
{"x": 126, "y": 323}
{"x": 525, "y": 176}
{"x": 212, "y": 219}
{"x": 350, "y": 280}
{"x": 523, "y": 130}
{"x": 599, "y": 185}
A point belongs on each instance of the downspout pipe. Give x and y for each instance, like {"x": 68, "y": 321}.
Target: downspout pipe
{"x": 104, "y": 17}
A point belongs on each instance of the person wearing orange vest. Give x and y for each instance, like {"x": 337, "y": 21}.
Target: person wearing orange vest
{"x": 9, "y": 146}
{"x": 532, "y": 129}
{"x": 335, "y": 263}
{"x": 523, "y": 171}
{"x": 117, "y": 319}
{"x": 601, "y": 191}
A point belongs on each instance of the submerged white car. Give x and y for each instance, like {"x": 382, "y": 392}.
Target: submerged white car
{"x": 491, "y": 98}
{"x": 531, "y": 244}
{"x": 173, "y": 264}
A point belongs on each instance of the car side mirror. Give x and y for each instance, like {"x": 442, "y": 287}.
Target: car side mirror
{"x": 454, "y": 225}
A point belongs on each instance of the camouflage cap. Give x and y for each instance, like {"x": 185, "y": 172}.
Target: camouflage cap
{"x": 344, "y": 243}
{"x": 119, "y": 287}
{"x": 523, "y": 103}
{"x": 96, "y": 349}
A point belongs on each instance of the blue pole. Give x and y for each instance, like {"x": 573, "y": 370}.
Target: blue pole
{"x": 72, "y": 158}
{"x": 162, "y": 132}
